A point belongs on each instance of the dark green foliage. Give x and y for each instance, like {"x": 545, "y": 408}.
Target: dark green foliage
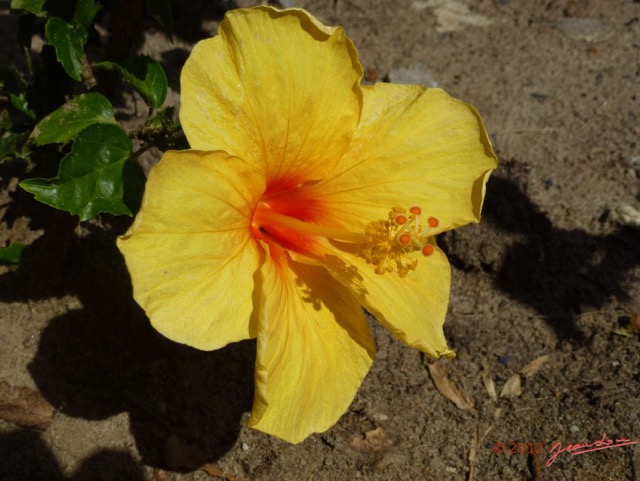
{"x": 34, "y": 6}
{"x": 12, "y": 254}
{"x": 52, "y": 120}
{"x": 68, "y": 39}
{"x": 72, "y": 118}
{"x": 91, "y": 177}
{"x": 144, "y": 74}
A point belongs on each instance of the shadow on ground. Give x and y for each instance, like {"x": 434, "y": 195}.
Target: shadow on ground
{"x": 557, "y": 272}
{"x": 104, "y": 359}
{"x": 25, "y": 456}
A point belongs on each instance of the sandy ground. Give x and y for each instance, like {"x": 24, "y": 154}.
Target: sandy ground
{"x": 550, "y": 276}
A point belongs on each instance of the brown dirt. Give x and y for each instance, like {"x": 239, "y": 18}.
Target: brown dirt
{"x": 551, "y": 270}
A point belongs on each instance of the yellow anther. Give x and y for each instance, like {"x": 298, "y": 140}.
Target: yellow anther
{"x": 390, "y": 242}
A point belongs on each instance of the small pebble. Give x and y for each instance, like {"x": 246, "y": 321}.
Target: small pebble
{"x": 290, "y": 3}
{"x": 245, "y": 447}
{"x": 416, "y": 74}
{"x": 589, "y": 29}
{"x": 504, "y": 359}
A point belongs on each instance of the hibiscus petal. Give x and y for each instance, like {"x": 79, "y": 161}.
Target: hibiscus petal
{"x": 189, "y": 251}
{"x": 314, "y": 350}
{"x": 412, "y": 307}
{"x": 274, "y": 87}
{"x": 414, "y": 146}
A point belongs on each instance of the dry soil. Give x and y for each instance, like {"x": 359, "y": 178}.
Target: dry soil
{"x": 552, "y": 270}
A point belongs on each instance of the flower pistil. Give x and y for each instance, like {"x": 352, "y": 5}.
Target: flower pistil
{"x": 385, "y": 244}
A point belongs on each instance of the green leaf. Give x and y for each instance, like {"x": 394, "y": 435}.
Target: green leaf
{"x": 80, "y": 112}
{"x": 12, "y": 254}
{"x": 134, "y": 181}
{"x": 92, "y": 176}
{"x": 144, "y": 74}
{"x": 34, "y": 6}
{"x": 163, "y": 133}
{"x": 10, "y": 145}
{"x": 162, "y": 120}
{"x": 21, "y": 103}
{"x": 86, "y": 10}
{"x": 160, "y": 11}
{"x": 10, "y": 142}
{"x": 68, "y": 39}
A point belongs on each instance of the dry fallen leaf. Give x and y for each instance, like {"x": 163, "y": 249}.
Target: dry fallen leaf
{"x": 449, "y": 389}
{"x": 215, "y": 472}
{"x": 622, "y": 332}
{"x": 512, "y": 388}
{"x": 487, "y": 380}
{"x": 473, "y": 453}
{"x": 452, "y": 15}
{"x": 375, "y": 440}
{"x": 24, "y": 407}
{"x": 534, "y": 366}
{"x": 626, "y": 215}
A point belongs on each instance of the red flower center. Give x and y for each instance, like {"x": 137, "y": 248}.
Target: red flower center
{"x": 293, "y": 219}
{"x": 288, "y": 218}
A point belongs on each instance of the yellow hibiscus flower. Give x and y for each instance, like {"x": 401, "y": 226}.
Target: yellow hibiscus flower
{"x": 305, "y": 198}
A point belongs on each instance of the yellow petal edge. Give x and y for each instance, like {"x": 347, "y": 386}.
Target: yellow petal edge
{"x": 276, "y": 88}
{"x": 190, "y": 242}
